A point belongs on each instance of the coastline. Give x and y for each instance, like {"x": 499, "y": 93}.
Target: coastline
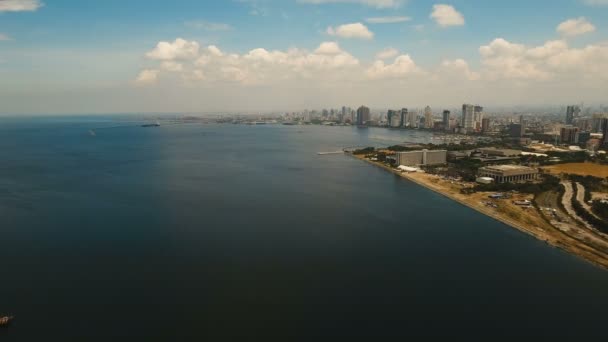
{"x": 532, "y": 223}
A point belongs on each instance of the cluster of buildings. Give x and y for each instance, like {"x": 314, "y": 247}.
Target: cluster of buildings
{"x": 581, "y": 128}
{"x": 506, "y": 173}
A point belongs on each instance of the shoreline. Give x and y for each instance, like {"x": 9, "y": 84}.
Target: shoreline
{"x": 543, "y": 232}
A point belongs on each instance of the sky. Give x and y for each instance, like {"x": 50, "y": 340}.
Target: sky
{"x": 116, "y": 56}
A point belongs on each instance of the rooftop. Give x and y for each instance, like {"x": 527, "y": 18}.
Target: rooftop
{"x": 507, "y": 167}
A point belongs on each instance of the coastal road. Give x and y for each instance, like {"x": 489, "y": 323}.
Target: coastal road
{"x": 586, "y": 232}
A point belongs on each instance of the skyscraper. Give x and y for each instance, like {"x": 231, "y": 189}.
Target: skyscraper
{"x": 403, "y": 117}
{"x": 446, "y": 120}
{"x": 478, "y": 117}
{"x": 485, "y": 125}
{"x": 468, "y": 117}
{"x": 516, "y": 130}
{"x": 412, "y": 119}
{"x": 428, "y": 117}
{"x": 363, "y": 115}
{"x": 604, "y": 132}
{"x": 568, "y": 135}
{"x": 571, "y": 112}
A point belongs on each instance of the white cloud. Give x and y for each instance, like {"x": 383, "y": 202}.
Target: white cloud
{"x": 328, "y": 48}
{"x": 171, "y": 66}
{"x": 147, "y": 77}
{"x": 355, "y": 30}
{"x": 457, "y": 70}
{"x": 575, "y": 27}
{"x": 19, "y": 5}
{"x": 506, "y": 67}
{"x": 179, "y": 49}
{"x": 554, "y": 60}
{"x": 387, "y": 20}
{"x": 402, "y": 66}
{"x": 261, "y": 66}
{"x": 4, "y": 37}
{"x": 387, "y": 53}
{"x": 447, "y": 15}
{"x": 208, "y": 26}
{"x": 371, "y": 3}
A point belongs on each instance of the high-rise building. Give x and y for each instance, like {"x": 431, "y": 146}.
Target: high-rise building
{"x": 571, "y": 113}
{"x": 394, "y": 118}
{"x": 363, "y": 115}
{"x": 403, "y": 117}
{"x": 485, "y": 125}
{"x": 468, "y": 117}
{"x": 516, "y": 130}
{"x": 604, "y": 131}
{"x": 412, "y": 119}
{"x": 478, "y": 117}
{"x": 446, "y": 120}
{"x": 568, "y": 135}
{"x": 428, "y": 117}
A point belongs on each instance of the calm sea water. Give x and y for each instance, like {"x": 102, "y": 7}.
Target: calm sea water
{"x": 215, "y": 232}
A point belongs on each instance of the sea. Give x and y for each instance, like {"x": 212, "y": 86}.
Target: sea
{"x": 218, "y": 232}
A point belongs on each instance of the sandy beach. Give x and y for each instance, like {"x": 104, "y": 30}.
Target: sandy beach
{"x": 528, "y": 220}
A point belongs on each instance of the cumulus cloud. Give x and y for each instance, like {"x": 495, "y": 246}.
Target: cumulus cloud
{"x": 371, "y": 3}
{"x": 328, "y": 48}
{"x": 355, "y": 30}
{"x": 261, "y": 66}
{"x": 508, "y": 64}
{"x": 402, "y": 66}
{"x": 19, "y": 5}
{"x": 447, "y": 15}
{"x": 457, "y": 69}
{"x": 179, "y": 49}
{"x": 575, "y": 27}
{"x": 171, "y": 66}
{"x": 4, "y": 37}
{"x": 554, "y": 60}
{"x": 147, "y": 77}
{"x": 387, "y": 53}
{"x": 387, "y": 20}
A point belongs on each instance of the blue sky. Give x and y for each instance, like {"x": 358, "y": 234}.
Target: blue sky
{"x": 57, "y": 48}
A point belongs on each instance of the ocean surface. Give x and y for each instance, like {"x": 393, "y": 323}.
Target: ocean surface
{"x": 227, "y": 232}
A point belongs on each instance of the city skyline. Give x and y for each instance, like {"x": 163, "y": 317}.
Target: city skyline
{"x": 264, "y": 55}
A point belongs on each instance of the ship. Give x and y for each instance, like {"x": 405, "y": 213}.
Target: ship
{"x": 5, "y": 321}
{"x": 157, "y": 124}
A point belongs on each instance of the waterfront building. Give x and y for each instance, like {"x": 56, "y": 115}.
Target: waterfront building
{"x": 568, "y": 135}
{"x": 363, "y": 115}
{"x": 509, "y": 173}
{"x": 412, "y": 119}
{"x": 424, "y": 157}
{"x": 404, "y": 117}
{"x": 446, "y": 120}
{"x": 428, "y": 117}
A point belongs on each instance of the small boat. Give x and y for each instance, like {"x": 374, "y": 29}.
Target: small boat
{"x": 5, "y": 321}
